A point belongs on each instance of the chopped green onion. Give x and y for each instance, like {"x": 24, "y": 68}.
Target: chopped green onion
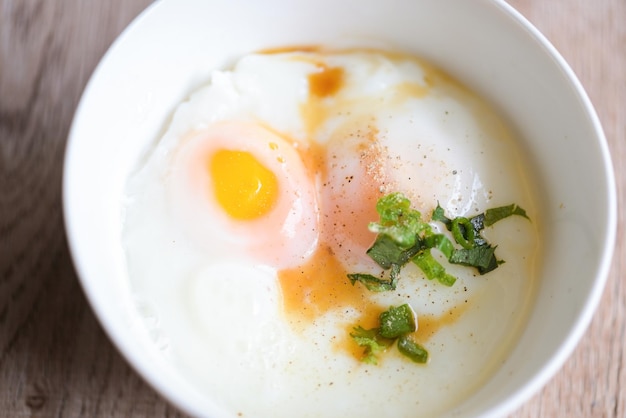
{"x": 403, "y": 237}
{"x": 463, "y": 232}
{"x": 432, "y": 269}
{"x": 398, "y": 221}
{"x": 396, "y": 324}
{"x": 412, "y": 350}
{"x": 441, "y": 243}
{"x": 397, "y": 321}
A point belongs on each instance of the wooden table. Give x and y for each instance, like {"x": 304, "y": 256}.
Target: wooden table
{"x": 54, "y": 358}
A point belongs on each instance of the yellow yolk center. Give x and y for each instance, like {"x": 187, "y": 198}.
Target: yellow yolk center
{"x": 243, "y": 186}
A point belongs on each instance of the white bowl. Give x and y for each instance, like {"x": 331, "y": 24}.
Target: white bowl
{"x": 171, "y": 47}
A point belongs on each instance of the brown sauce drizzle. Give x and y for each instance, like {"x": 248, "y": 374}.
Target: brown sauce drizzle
{"x": 429, "y": 325}
{"x": 326, "y": 82}
{"x": 320, "y": 285}
{"x": 317, "y": 287}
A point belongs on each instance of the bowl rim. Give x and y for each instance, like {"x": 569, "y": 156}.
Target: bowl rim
{"x": 567, "y": 346}
{"x": 502, "y": 407}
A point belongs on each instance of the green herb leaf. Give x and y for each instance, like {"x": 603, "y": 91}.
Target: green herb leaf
{"x": 397, "y": 321}
{"x": 372, "y": 283}
{"x": 482, "y": 257}
{"x": 478, "y": 222}
{"x": 403, "y": 237}
{"x": 432, "y": 269}
{"x": 476, "y": 251}
{"x": 371, "y": 341}
{"x": 412, "y": 350}
{"x": 439, "y": 215}
{"x": 496, "y": 214}
{"x": 386, "y": 252}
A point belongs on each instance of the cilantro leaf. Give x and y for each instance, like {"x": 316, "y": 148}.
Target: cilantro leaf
{"x": 373, "y": 343}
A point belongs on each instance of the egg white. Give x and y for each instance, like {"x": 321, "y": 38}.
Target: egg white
{"x": 220, "y": 309}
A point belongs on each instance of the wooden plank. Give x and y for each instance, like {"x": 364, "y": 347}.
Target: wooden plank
{"x": 591, "y": 36}
{"x": 54, "y": 358}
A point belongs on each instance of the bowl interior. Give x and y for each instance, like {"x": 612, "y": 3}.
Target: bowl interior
{"x": 170, "y": 49}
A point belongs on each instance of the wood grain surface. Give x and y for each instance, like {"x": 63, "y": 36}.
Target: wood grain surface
{"x": 54, "y": 358}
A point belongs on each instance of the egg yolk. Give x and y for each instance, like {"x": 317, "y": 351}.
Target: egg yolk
{"x": 243, "y": 186}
